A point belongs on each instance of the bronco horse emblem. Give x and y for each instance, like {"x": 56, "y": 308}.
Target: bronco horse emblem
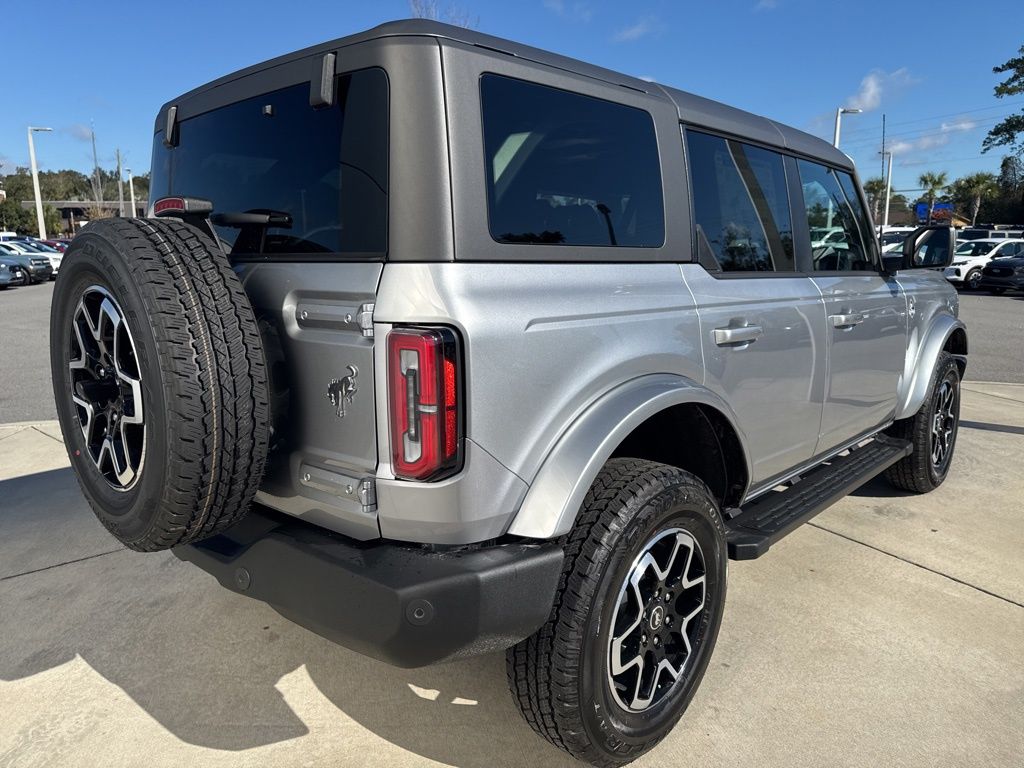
{"x": 342, "y": 391}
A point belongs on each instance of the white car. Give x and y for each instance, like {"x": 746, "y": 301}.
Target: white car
{"x": 971, "y": 256}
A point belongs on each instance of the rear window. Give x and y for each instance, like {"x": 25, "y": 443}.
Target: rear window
{"x": 567, "y": 169}
{"x": 327, "y": 169}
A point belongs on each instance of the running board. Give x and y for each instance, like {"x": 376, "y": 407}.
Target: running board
{"x": 769, "y": 517}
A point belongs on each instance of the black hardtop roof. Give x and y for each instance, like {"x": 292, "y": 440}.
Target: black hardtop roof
{"x": 693, "y": 109}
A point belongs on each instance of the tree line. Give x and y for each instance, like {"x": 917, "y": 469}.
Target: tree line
{"x": 62, "y": 185}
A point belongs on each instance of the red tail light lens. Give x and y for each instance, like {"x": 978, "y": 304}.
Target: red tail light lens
{"x": 424, "y": 401}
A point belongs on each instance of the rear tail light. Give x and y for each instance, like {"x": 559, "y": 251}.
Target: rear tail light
{"x": 424, "y": 403}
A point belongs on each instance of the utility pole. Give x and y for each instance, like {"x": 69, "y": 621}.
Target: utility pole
{"x": 888, "y": 192}
{"x": 98, "y": 184}
{"x": 131, "y": 189}
{"x": 35, "y": 180}
{"x": 120, "y": 186}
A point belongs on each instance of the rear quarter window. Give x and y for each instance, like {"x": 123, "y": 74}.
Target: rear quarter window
{"x": 327, "y": 168}
{"x": 568, "y": 169}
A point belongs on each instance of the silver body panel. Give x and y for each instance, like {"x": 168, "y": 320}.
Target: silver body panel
{"x": 566, "y": 349}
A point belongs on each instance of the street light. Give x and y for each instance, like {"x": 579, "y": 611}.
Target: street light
{"x": 839, "y": 116}
{"x": 35, "y": 180}
{"x": 131, "y": 189}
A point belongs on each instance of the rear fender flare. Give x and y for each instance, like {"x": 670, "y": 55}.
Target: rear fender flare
{"x": 557, "y": 492}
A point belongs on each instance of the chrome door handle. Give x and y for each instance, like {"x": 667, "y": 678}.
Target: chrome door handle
{"x": 847, "y": 321}
{"x": 742, "y": 335}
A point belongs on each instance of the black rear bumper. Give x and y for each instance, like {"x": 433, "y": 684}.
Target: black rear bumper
{"x": 401, "y": 604}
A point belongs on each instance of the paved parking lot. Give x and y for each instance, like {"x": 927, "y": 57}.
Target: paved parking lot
{"x": 887, "y": 632}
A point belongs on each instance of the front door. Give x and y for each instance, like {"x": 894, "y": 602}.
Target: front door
{"x": 865, "y": 311}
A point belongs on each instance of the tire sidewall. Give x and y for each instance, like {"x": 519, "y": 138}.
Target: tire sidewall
{"x": 968, "y": 284}
{"x": 947, "y": 371}
{"x": 94, "y": 260}
{"x": 608, "y": 724}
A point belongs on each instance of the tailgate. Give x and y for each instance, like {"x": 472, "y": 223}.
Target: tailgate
{"x": 323, "y": 451}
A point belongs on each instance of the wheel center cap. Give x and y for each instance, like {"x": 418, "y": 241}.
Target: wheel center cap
{"x": 656, "y": 618}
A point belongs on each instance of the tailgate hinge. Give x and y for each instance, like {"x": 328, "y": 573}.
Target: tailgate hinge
{"x": 364, "y": 318}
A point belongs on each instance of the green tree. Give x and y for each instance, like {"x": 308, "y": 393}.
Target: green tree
{"x": 1007, "y": 132}
{"x": 969, "y": 192}
{"x": 932, "y": 183}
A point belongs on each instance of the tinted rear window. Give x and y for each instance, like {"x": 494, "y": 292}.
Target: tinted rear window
{"x": 326, "y": 168}
{"x": 567, "y": 169}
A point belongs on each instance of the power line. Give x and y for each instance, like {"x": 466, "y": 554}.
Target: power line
{"x": 923, "y": 133}
{"x": 1004, "y": 105}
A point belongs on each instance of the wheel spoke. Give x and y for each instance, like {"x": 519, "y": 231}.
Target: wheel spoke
{"x": 651, "y": 639}
{"x": 106, "y": 388}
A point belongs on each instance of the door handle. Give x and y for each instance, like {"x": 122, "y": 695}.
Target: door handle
{"x": 847, "y": 321}
{"x": 742, "y": 335}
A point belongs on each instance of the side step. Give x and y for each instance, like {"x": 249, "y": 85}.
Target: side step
{"x": 769, "y": 517}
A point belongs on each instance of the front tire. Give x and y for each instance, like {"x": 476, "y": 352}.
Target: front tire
{"x": 972, "y": 279}
{"x": 635, "y": 619}
{"x": 997, "y": 291}
{"x": 932, "y": 431}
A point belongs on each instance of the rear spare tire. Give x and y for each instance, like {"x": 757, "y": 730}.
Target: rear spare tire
{"x": 160, "y": 381}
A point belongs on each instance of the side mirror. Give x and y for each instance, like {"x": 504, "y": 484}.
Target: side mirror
{"x": 892, "y": 263}
{"x": 929, "y": 248}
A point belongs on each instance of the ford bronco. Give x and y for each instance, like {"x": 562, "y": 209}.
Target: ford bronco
{"x": 443, "y": 345}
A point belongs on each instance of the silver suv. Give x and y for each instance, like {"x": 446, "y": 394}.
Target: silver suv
{"x": 443, "y": 345}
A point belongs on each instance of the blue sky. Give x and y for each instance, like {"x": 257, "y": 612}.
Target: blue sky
{"x": 927, "y": 66}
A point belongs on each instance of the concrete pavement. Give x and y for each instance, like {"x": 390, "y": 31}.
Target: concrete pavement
{"x": 889, "y": 631}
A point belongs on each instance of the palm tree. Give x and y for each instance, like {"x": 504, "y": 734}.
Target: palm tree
{"x": 932, "y": 184}
{"x": 977, "y": 187}
{"x": 875, "y": 190}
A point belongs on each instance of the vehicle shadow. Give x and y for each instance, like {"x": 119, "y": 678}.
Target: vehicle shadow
{"x": 208, "y": 664}
{"x": 879, "y": 488}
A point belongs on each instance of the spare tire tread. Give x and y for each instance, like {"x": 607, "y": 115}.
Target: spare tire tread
{"x": 213, "y": 373}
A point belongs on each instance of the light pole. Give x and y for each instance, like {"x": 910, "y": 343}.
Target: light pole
{"x": 35, "y": 180}
{"x": 131, "y": 189}
{"x": 839, "y": 118}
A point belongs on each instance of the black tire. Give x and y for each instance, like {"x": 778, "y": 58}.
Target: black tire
{"x": 199, "y": 370}
{"x": 972, "y": 279}
{"x": 997, "y": 291}
{"x": 919, "y": 472}
{"x": 560, "y": 677}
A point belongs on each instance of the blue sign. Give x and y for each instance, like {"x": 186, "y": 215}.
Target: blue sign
{"x": 941, "y": 212}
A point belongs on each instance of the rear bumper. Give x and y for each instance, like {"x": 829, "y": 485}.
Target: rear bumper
{"x": 401, "y": 604}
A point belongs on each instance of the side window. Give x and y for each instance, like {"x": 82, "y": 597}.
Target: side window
{"x": 841, "y": 236}
{"x": 568, "y": 169}
{"x": 740, "y": 204}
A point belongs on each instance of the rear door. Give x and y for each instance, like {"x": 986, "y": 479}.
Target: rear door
{"x": 321, "y": 173}
{"x": 761, "y": 321}
{"x": 866, "y": 315}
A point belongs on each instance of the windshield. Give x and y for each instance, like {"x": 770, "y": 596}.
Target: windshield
{"x": 974, "y": 249}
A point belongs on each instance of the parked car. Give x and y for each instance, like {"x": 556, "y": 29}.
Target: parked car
{"x": 38, "y": 246}
{"x": 1000, "y": 275}
{"x": 61, "y": 244}
{"x": 11, "y": 273}
{"x": 479, "y": 360}
{"x": 36, "y": 265}
{"x": 986, "y": 233}
{"x": 971, "y": 256}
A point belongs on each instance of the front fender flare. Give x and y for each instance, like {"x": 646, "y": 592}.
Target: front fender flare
{"x": 557, "y": 492}
{"x": 922, "y": 364}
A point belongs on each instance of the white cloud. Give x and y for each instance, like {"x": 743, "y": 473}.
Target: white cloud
{"x": 962, "y": 124}
{"x": 766, "y": 5}
{"x": 643, "y": 27}
{"x": 575, "y": 11}
{"x": 932, "y": 138}
{"x": 79, "y": 131}
{"x": 877, "y": 84}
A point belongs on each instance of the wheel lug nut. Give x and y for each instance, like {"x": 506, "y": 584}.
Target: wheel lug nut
{"x": 643, "y": 639}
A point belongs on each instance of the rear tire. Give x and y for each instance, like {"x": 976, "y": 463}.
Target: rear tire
{"x": 934, "y": 443}
{"x": 160, "y": 381}
{"x": 997, "y": 291}
{"x": 564, "y": 677}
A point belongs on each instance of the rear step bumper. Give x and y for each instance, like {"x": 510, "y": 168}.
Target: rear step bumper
{"x": 768, "y": 518}
{"x": 404, "y": 605}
